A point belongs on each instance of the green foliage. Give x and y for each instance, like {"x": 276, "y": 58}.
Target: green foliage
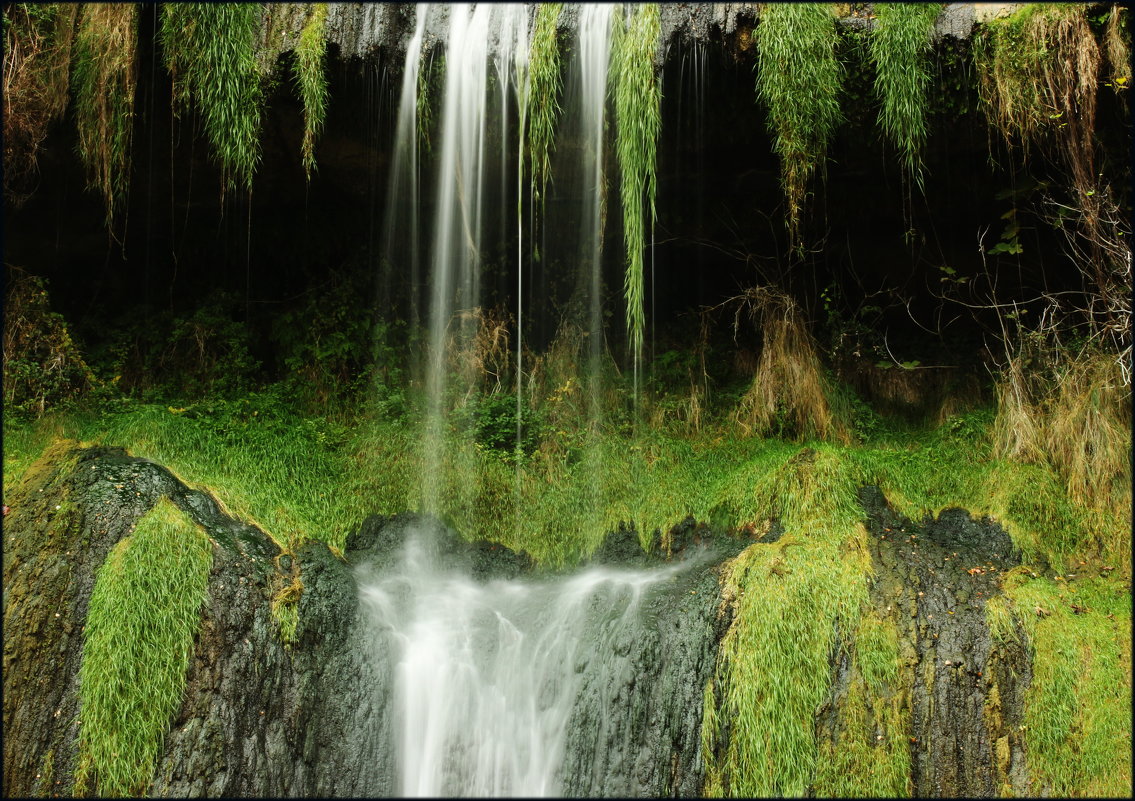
{"x": 158, "y": 355}
{"x": 104, "y": 83}
{"x": 1036, "y": 71}
{"x": 1078, "y": 706}
{"x": 325, "y": 344}
{"x": 899, "y": 47}
{"x": 210, "y": 51}
{"x": 144, "y": 613}
{"x": 638, "y": 100}
{"x": 799, "y": 80}
{"x": 495, "y": 422}
{"x": 789, "y": 597}
{"x": 311, "y": 81}
{"x": 42, "y": 366}
{"x": 544, "y": 89}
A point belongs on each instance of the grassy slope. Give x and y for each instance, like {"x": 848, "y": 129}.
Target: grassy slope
{"x": 303, "y": 478}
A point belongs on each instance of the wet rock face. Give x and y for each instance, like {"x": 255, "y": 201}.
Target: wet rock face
{"x": 72, "y": 508}
{"x": 257, "y": 719}
{"x": 261, "y": 718}
{"x": 933, "y": 580}
{"x": 636, "y": 732}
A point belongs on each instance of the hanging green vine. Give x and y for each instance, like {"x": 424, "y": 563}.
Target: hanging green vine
{"x": 430, "y": 75}
{"x": 210, "y": 50}
{"x": 311, "y": 81}
{"x": 543, "y": 94}
{"x": 638, "y": 101}
{"x": 799, "y": 79}
{"x": 104, "y": 84}
{"x": 899, "y": 47}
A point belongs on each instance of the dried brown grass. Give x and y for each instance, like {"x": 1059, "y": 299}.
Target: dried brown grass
{"x": 557, "y": 378}
{"x": 1037, "y": 76}
{"x": 1072, "y": 412}
{"x": 789, "y": 393}
{"x": 1118, "y": 49}
{"x": 37, "y": 58}
{"x": 105, "y": 80}
{"x": 926, "y": 393}
{"x": 478, "y": 349}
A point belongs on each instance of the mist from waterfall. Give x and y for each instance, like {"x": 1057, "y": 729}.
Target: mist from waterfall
{"x": 487, "y": 674}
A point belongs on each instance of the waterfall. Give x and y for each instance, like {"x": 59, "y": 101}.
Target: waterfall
{"x": 400, "y": 240}
{"x": 455, "y": 268}
{"x": 593, "y": 62}
{"x": 495, "y": 681}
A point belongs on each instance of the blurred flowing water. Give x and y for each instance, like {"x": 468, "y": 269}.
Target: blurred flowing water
{"x": 489, "y": 678}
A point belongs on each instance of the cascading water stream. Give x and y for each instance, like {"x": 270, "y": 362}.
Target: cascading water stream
{"x": 400, "y": 240}
{"x": 456, "y": 260}
{"x": 489, "y": 675}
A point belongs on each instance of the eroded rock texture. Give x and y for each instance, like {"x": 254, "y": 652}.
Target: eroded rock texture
{"x": 967, "y": 693}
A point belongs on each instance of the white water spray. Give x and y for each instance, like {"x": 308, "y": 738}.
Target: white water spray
{"x": 401, "y": 245}
{"x": 486, "y": 674}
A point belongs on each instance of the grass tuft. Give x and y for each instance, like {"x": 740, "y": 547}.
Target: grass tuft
{"x": 144, "y": 613}
{"x": 311, "y": 81}
{"x": 210, "y": 50}
{"x": 544, "y": 88}
{"x": 104, "y": 82}
{"x": 799, "y": 79}
{"x": 1075, "y": 416}
{"x": 789, "y": 393}
{"x": 900, "y": 44}
{"x": 38, "y": 41}
{"x": 638, "y": 100}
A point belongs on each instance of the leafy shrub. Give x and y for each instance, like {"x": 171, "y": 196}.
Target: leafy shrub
{"x": 494, "y": 420}
{"x": 326, "y": 344}
{"x": 42, "y": 365}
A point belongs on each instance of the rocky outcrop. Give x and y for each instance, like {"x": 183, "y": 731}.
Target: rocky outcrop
{"x": 310, "y": 714}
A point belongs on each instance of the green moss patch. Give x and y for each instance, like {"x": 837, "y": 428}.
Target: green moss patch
{"x": 144, "y": 612}
{"x": 1078, "y": 707}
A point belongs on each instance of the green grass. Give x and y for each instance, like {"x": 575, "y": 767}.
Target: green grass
{"x": 311, "y": 478}
{"x": 1078, "y": 706}
{"x": 144, "y": 612}
{"x": 799, "y": 80}
{"x": 900, "y": 46}
{"x": 860, "y": 762}
{"x": 773, "y": 670}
